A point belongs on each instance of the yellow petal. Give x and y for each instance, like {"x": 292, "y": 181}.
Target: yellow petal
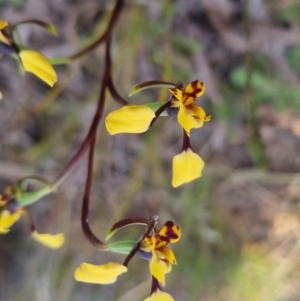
{"x": 198, "y": 112}
{"x": 187, "y": 166}
{"x": 192, "y": 91}
{"x": 129, "y": 119}
{"x": 148, "y": 244}
{"x": 188, "y": 121}
{"x": 99, "y": 274}
{"x": 39, "y": 65}
{"x": 7, "y": 219}
{"x": 3, "y": 39}
{"x": 167, "y": 254}
{"x": 158, "y": 295}
{"x": 177, "y": 93}
{"x": 3, "y": 24}
{"x": 159, "y": 268}
{"x": 51, "y": 241}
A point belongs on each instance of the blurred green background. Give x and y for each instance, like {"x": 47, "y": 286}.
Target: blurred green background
{"x": 240, "y": 221}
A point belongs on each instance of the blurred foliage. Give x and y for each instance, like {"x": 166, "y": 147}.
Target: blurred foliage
{"x": 267, "y": 88}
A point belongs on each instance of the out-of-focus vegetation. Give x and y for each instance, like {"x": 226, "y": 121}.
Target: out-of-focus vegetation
{"x": 240, "y": 221}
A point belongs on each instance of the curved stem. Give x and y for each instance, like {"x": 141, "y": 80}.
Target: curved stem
{"x": 114, "y": 93}
{"x": 98, "y": 244}
{"x": 106, "y": 35}
{"x": 86, "y": 199}
{"x": 160, "y": 110}
{"x": 154, "y": 285}
{"x": 93, "y": 128}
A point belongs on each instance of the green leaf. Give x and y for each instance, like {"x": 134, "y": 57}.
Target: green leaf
{"x": 154, "y": 106}
{"x": 27, "y": 198}
{"x": 121, "y": 247}
{"x": 121, "y": 225}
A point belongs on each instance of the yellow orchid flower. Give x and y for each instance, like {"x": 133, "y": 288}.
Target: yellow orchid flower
{"x": 152, "y": 246}
{"x": 162, "y": 257}
{"x": 189, "y": 115}
{"x": 187, "y": 166}
{"x": 31, "y": 60}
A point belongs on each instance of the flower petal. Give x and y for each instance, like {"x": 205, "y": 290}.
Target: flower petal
{"x": 188, "y": 121}
{"x": 3, "y": 39}
{"x": 159, "y": 268}
{"x": 197, "y": 111}
{"x": 169, "y": 232}
{"x": 103, "y": 274}
{"x": 158, "y": 295}
{"x": 49, "y": 240}
{"x": 187, "y": 166}
{"x": 39, "y": 65}
{"x": 148, "y": 244}
{"x": 194, "y": 89}
{"x": 129, "y": 119}
{"x": 167, "y": 254}
{"x": 177, "y": 93}
{"x": 7, "y": 219}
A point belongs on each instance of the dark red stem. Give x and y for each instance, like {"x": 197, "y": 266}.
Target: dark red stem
{"x": 106, "y": 35}
{"x": 97, "y": 243}
{"x": 86, "y": 199}
{"x": 151, "y": 225}
{"x": 186, "y": 144}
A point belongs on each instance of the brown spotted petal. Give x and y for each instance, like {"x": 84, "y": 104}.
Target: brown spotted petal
{"x": 168, "y": 233}
{"x": 166, "y": 254}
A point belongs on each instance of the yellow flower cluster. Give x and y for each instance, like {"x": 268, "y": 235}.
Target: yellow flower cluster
{"x": 151, "y": 247}
{"x": 187, "y": 165}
